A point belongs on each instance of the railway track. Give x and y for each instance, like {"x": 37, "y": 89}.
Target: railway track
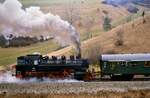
{"x": 136, "y": 78}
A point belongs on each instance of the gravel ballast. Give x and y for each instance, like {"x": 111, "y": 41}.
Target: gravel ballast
{"x": 74, "y": 87}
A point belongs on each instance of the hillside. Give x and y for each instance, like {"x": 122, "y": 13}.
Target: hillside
{"x": 135, "y": 36}
{"x": 82, "y": 14}
{"x": 89, "y": 19}
{"x": 86, "y": 10}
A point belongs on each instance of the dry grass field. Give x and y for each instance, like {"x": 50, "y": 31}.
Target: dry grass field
{"x": 130, "y": 94}
{"x": 135, "y": 37}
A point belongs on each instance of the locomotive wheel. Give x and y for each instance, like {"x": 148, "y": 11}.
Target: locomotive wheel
{"x": 129, "y": 77}
{"x": 67, "y": 72}
{"x": 146, "y": 75}
{"x": 85, "y": 76}
{"x": 114, "y": 77}
{"x": 79, "y": 76}
{"x": 124, "y": 77}
{"x": 88, "y": 76}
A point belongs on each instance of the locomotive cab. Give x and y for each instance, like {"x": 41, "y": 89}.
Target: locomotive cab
{"x": 29, "y": 60}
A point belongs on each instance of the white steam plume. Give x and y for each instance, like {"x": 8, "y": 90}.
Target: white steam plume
{"x": 33, "y": 22}
{"x": 8, "y": 78}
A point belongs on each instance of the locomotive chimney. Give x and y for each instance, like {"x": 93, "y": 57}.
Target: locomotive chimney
{"x": 79, "y": 53}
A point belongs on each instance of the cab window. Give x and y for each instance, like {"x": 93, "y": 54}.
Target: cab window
{"x": 21, "y": 62}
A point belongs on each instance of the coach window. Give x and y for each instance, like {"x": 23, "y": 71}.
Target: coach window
{"x": 123, "y": 64}
{"x": 126, "y": 63}
{"x": 147, "y": 64}
{"x": 133, "y": 64}
{"x": 105, "y": 64}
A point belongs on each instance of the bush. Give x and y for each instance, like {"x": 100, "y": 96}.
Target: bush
{"x": 17, "y": 41}
{"x": 115, "y": 3}
{"x": 119, "y": 38}
{"x": 132, "y": 9}
{"x": 22, "y": 41}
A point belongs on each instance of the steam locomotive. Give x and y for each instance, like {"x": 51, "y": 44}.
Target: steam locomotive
{"x": 117, "y": 66}
{"x": 35, "y": 65}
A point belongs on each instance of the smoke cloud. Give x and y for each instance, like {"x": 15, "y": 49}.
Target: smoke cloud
{"x": 33, "y": 22}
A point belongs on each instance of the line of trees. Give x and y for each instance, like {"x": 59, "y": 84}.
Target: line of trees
{"x": 19, "y": 41}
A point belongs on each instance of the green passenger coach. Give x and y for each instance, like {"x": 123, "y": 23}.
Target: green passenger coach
{"x": 125, "y": 66}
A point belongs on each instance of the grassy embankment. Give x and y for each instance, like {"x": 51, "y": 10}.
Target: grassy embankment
{"x": 9, "y": 55}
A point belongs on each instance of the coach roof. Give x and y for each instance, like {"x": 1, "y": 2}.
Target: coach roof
{"x": 125, "y": 57}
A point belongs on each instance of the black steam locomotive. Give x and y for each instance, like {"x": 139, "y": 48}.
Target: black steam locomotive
{"x": 39, "y": 66}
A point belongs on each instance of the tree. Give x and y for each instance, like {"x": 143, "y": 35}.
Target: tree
{"x": 72, "y": 13}
{"x": 2, "y": 41}
{"x": 88, "y": 24}
{"x": 119, "y": 38}
{"x": 107, "y": 23}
